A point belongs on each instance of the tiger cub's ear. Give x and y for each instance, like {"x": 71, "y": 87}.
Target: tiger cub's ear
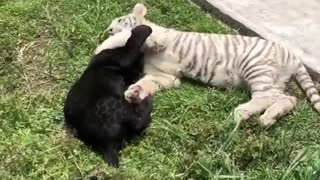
{"x": 140, "y": 10}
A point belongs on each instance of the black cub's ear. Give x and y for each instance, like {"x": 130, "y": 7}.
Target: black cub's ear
{"x": 138, "y": 36}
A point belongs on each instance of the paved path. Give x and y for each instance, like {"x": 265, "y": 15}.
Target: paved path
{"x": 294, "y": 22}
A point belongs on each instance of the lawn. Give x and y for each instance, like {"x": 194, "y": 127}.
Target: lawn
{"x": 45, "y": 45}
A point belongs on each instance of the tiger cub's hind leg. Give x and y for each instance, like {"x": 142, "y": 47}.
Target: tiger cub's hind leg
{"x": 281, "y": 107}
{"x": 254, "y": 106}
{"x": 268, "y": 97}
{"x": 262, "y": 89}
{"x": 283, "y": 103}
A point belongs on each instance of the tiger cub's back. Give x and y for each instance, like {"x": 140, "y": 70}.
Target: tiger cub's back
{"x": 211, "y": 58}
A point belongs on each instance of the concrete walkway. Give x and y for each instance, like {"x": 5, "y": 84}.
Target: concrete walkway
{"x": 294, "y": 22}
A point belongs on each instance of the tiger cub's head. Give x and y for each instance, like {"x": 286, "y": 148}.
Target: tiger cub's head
{"x": 129, "y": 21}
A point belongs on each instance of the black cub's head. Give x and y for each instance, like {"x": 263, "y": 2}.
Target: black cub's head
{"x": 133, "y": 46}
{"x": 123, "y": 50}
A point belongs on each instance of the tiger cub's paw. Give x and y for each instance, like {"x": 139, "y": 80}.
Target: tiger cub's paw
{"x": 266, "y": 121}
{"x": 240, "y": 114}
{"x": 135, "y": 94}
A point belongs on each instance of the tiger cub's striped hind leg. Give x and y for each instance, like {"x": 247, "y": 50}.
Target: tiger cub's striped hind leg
{"x": 254, "y": 106}
{"x": 267, "y": 95}
{"x": 272, "y": 106}
{"x": 281, "y": 107}
{"x": 272, "y": 90}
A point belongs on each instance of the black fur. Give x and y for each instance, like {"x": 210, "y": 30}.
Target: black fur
{"x": 95, "y": 108}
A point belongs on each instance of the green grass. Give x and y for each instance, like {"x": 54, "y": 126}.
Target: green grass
{"x": 45, "y": 45}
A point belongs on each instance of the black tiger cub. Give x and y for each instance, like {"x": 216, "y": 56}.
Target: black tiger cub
{"x": 95, "y": 109}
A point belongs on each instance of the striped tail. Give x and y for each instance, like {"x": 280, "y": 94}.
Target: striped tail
{"x": 308, "y": 86}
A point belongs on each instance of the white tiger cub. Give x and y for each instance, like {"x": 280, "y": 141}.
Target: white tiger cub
{"x": 219, "y": 60}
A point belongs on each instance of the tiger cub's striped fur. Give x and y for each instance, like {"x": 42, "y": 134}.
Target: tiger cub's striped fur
{"x": 220, "y": 60}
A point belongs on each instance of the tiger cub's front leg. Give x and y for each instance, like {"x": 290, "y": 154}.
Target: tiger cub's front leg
{"x": 149, "y": 85}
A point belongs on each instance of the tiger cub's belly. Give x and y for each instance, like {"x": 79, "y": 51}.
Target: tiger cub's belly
{"x": 225, "y": 78}
{"x": 219, "y": 78}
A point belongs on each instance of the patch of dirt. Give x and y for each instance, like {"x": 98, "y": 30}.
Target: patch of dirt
{"x": 34, "y": 65}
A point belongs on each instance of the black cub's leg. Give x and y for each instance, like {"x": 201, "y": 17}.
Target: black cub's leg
{"x": 110, "y": 155}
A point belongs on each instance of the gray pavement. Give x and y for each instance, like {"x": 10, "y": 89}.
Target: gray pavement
{"x": 293, "y": 22}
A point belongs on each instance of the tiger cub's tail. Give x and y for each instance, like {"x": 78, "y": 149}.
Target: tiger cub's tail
{"x": 307, "y": 85}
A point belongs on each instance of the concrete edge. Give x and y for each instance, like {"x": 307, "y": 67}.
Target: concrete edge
{"x": 225, "y": 18}
{"x": 246, "y": 27}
